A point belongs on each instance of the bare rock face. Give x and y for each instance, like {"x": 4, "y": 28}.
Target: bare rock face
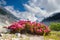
{"x": 54, "y": 18}
{"x": 6, "y": 18}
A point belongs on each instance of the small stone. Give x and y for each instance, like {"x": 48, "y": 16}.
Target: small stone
{"x": 18, "y": 34}
{"x": 1, "y": 34}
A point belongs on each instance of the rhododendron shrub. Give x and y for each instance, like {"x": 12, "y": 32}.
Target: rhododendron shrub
{"x": 29, "y": 27}
{"x": 16, "y": 27}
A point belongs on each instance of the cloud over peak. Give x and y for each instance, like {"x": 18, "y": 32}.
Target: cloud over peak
{"x": 34, "y": 9}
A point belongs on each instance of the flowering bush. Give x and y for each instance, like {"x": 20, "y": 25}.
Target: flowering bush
{"x": 30, "y": 27}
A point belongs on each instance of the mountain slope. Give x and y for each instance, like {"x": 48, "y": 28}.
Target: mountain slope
{"x": 6, "y": 18}
{"x": 54, "y": 18}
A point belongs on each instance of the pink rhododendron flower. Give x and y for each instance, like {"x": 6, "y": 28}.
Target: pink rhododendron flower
{"x": 34, "y": 23}
{"x": 46, "y": 31}
{"x": 40, "y": 30}
{"x": 19, "y": 26}
{"x": 21, "y": 22}
{"x": 38, "y": 24}
{"x": 33, "y": 27}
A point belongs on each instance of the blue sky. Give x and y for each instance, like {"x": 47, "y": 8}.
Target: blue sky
{"x": 32, "y": 9}
{"x": 18, "y": 4}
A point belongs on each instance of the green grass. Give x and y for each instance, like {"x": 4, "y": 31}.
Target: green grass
{"x": 55, "y": 26}
{"x": 54, "y": 35}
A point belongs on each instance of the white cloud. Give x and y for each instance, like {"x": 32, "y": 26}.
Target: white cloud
{"x": 50, "y": 7}
{"x": 2, "y": 2}
{"x": 23, "y": 15}
{"x": 34, "y": 9}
